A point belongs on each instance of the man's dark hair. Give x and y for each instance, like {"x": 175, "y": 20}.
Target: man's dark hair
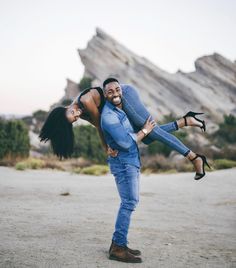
{"x": 59, "y": 131}
{"x": 109, "y": 80}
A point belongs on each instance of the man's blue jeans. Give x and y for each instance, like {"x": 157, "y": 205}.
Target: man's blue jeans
{"x": 127, "y": 182}
{"x": 138, "y": 114}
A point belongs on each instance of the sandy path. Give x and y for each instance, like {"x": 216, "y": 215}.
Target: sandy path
{"x": 178, "y": 223}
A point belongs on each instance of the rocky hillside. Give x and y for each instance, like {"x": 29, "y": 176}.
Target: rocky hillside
{"x": 211, "y": 88}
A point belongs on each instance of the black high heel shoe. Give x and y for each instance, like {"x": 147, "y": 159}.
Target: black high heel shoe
{"x": 198, "y": 176}
{"x": 192, "y": 114}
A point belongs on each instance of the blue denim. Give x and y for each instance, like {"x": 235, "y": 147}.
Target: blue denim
{"x": 127, "y": 182}
{"x": 138, "y": 114}
{"x": 119, "y": 134}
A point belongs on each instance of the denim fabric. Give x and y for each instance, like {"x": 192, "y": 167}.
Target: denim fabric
{"x": 138, "y": 114}
{"x": 127, "y": 182}
{"x": 119, "y": 134}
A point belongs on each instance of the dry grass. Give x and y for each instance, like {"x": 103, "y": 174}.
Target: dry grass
{"x": 96, "y": 170}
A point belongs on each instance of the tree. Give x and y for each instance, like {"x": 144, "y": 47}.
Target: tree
{"x": 85, "y": 82}
{"x": 227, "y": 130}
{"x": 40, "y": 115}
{"x": 3, "y": 138}
{"x": 88, "y": 144}
{"x": 14, "y": 138}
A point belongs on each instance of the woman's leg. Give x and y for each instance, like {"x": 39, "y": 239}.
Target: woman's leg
{"x": 138, "y": 114}
{"x": 169, "y": 127}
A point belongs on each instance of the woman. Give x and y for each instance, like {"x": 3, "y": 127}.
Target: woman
{"x": 88, "y": 106}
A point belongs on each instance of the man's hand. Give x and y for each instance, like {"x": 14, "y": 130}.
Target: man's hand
{"x": 149, "y": 125}
{"x": 111, "y": 152}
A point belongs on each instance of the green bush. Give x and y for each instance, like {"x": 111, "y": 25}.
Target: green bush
{"x": 40, "y": 115}
{"x": 96, "y": 170}
{"x": 85, "y": 82}
{"x": 35, "y": 163}
{"x": 157, "y": 163}
{"x": 88, "y": 144}
{"x": 3, "y": 139}
{"x": 30, "y": 163}
{"x": 224, "y": 163}
{"x": 157, "y": 147}
{"x": 14, "y": 139}
{"x": 21, "y": 166}
{"x": 227, "y": 130}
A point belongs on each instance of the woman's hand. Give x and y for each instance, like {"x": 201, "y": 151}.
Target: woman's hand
{"x": 111, "y": 152}
{"x": 149, "y": 125}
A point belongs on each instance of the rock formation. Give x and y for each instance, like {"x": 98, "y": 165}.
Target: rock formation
{"x": 211, "y": 88}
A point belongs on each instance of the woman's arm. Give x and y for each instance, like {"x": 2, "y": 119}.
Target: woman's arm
{"x": 91, "y": 108}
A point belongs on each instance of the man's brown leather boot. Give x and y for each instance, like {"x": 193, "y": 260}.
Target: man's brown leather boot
{"x": 122, "y": 254}
{"x": 135, "y": 252}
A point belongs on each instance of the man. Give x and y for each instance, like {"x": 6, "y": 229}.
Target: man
{"x": 125, "y": 166}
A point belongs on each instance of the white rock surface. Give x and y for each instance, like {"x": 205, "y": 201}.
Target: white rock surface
{"x": 211, "y": 88}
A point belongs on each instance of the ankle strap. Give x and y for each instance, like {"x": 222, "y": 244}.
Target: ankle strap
{"x": 194, "y": 158}
{"x": 185, "y": 121}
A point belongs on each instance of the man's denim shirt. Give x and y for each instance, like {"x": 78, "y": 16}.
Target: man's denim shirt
{"x": 119, "y": 135}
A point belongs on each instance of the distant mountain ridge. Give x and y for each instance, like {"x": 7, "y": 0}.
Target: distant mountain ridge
{"x": 211, "y": 88}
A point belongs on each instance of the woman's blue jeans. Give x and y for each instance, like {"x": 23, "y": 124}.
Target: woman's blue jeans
{"x": 138, "y": 115}
{"x": 127, "y": 182}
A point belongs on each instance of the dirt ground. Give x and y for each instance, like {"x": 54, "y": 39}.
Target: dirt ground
{"x": 178, "y": 223}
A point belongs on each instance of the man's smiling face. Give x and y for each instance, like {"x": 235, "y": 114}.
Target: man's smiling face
{"x": 113, "y": 93}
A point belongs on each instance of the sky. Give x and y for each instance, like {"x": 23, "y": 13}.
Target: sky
{"x": 39, "y": 40}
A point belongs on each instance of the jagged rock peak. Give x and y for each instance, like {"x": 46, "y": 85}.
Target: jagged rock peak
{"x": 204, "y": 89}
{"x": 71, "y": 90}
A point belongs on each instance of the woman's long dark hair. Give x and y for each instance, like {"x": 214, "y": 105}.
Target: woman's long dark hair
{"x": 59, "y": 131}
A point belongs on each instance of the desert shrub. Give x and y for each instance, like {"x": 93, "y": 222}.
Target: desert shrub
{"x": 85, "y": 82}
{"x": 224, "y": 163}
{"x": 225, "y": 152}
{"x": 28, "y": 120}
{"x": 157, "y": 163}
{"x": 96, "y": 170}
{"x": 35, "y": 163}
{"x": 3, "y": 138}
{"x": 53, "y": 165}
{"x": 227, "y": 131}
{"x": 88, "y": 144}
{"x": 14, "y": 138}
{"x": 184, "y": 167}
{"x": 40, "y": 115}
{"x": 157, "y": 147}
{"x": 21, "y": 166}
{"x": 30, "y": 163}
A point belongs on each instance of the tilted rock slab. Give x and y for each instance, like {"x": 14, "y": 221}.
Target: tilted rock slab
{"x": 211, "y": 88}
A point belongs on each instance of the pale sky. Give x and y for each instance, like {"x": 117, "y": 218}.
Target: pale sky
{"x": 39, "y": 40}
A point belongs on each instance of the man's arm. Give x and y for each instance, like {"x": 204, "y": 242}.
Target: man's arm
{"x": 125, "y": 139}
{"x": 112, "y": 125}
{"x": 146, "y": 129}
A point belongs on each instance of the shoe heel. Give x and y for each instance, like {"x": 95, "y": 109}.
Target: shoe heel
{"x": 193, "y": 114}
{"x": 203, "y": 127}
{"x": 196, "y": 113}
{"x": 205, "y": 162}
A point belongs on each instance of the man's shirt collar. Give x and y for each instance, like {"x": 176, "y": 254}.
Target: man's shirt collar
{"x": 112, "y": 106}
